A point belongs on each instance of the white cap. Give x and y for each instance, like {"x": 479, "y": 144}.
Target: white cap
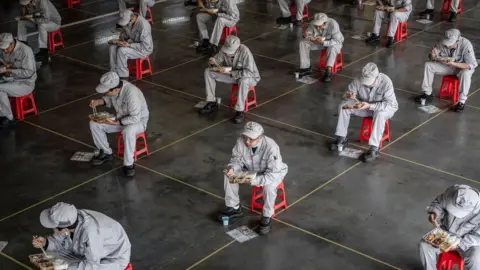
{"x": 252, "y": 130}
{"x": 369, "y": 74}
{"x": 319, "y": 19}
{"x": 24, "y": 2}
{"x": 451, "y": 37}
{"x": 5, "y": 40}
{"x": 108, "y": 81}
{"x": 125, "y": 17}
{"x": 463, "y": 202}
{"x": 231, "y": 44}
{"x": 61, "y": 215}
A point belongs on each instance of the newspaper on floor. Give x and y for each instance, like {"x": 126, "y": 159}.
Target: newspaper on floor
{"x": 201, "y": 104}
{"x": 307, "y": 80}
{"x": 430, "y": 109}
{"x": 351, "y": 153}
{"x": 3, "y": 244}
{"x": 82, "y": 156}
{"x": 242, "y": 234}
{"x": 424, "y": 21}
{"x": 360, "y": 37}
{"x": 281, "y": 26}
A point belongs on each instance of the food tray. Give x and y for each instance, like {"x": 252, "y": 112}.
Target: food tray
{"x": 50, "y": 263}
{"x": 101, "y": 117}
{"x": 242, "y": 177}
{"x": 440, "y": 238}
{"x": 445, "y": 59}
{"x": 355, "y": 106}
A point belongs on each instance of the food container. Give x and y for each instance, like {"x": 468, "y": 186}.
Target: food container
{"x": 440, "y": 238}
{"x": 242, "y": 177}
{"x": 101, "y": 117}
{"x": 49, "y": 263}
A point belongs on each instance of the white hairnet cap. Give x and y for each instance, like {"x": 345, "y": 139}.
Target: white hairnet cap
{"x": 451, "y": 37}
{"x": 231, "y": 44}
{"x": 61, "y": 215}
{"x": 369, "y": 74}
{"x": 24, "y": 2}
{"x": 463, "y": 202}
{"x": 125, "y": 17}
{"x": 108, "y": 81}
{"x": 319, "y": 19}
{"x": 252, "y": 130}
{"x": 5, "y": 40}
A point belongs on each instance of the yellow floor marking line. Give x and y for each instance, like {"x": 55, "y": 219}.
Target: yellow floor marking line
{"x": 210, "y": 255}
{"x": 15, "y": 261}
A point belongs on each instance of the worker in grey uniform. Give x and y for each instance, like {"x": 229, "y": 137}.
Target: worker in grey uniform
{"x": 323, "y": 33}
{"x": 454, "y": 4}
{"x": 457, "y": 211}
{"x": 142, "y": 5}
{"x": 243, "y": 72}
{"x": 42, "y": 16}
{"x": 131, "y": 119}
{"x": 18, "y": 74}
{"x": 255, "y": 152}
{"x": 286, "y": 16}
{"x": 454, "y": 46}
{"x": 137, "y": 43}
{"x": 225, "y": 14}
{"x": 372, "y": 95}
{"x": 396, "y": 11}
{"x": 99, "y": 240}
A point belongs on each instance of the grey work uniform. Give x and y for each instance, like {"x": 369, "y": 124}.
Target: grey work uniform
{"x": 21, "y": 78}
{"x": 453, "y": 5}
{"x": 139, "y": 36}
{"x": 333, "y": 43}
{"x": 267, "y": 162}
{"x": 244, "y": 73}
{"x": 132, "y": 112}
{"x": 285, "y": 7}
{"x": 141, "y": 4}
{"x": 46, "y": 19}
{"x": 394, "y": 17}
{"x": 463, "y": 53}
{"x": 383, "y": 106}
{"x": 100, "y": 240}
{"x": 227, "y": 16}
{"x": 467, "y": 228}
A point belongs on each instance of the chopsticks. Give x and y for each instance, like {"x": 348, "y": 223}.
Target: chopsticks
{"x": 43, "y": 250}
{"x": 94, "y": 111}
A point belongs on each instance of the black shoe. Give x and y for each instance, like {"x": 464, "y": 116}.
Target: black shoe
{"x": 426, "y": 12}
{"x": 304, "y": 72}
{"x": 373, "y": 38}
{"x": 230, "y": 212}
{"x": 209, "y": 108}
{"x": 42, "y": 56}
{"x": 297, "y": 23}
{"x": 102, "y": 158}
{"x": 5, "y": 122}
{"x": 238, "y": 117}
{"x": 428, "y": 98}
{"x": 203, "y": 46}
{"x": 459, "y": 107}
{"x": 284, "y": 20}
{"x": 371, "y": 154}
{"x": 339, "y": 141}
{"x": 212, "y": 50}
{"x": 390, "y": 42}
{"x": 453, "y": 17}
{"x": 129, "y": 170}
{"x": 265, "y": 225}
{"x": 328, "y": 75}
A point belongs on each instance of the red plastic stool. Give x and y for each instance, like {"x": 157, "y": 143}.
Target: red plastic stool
{"x": 449, "y": 88}
{"x": 293, "y": 12}
{"x": 148, "y": 14}
{"x": 366, "y": 130}
{"x": 447, "y": 260}
{"x": 129, "y": 267}
{"x": 251, "y": 97}
{"x": 402, "y": 31}
{"x": 70, "y": 3}
{"x": 446, "y": 7}
{"x": 338, "y": 65}
{"x": 138, "y": 152}
{"x": 257, "y": 194}
{"x": 24, "y": 105}
{"x": 52, "y": 44}
{"x": 138, "y": 68}
{"x": 227, "y": 31}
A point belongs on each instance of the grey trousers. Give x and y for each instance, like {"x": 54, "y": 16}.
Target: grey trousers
{"x": 232, "y": 198}
{"x": 142, "y": 5}
{"x": 378, "y": 123}
{"x": 433, "y": 68}
{"x": 429, "y": 256}
{"x": 285, "y": 7}
{"x": 306, "y": 46}
{"x": 220, "y": 23}
{"x": 453, "y": 5}
{"x": 395, "y": 18}
{"x": 119, "y": 59}
{"x": 12, "y": 89}
{"x": 43, "y": 29}
{"x": 211, "y": 79}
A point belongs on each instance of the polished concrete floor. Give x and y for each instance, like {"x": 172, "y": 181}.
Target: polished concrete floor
{"x": 343, "y": 214}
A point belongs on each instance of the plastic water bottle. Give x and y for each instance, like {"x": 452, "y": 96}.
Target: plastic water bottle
{"x": 225, "y": 220}
{"x": 219, "y": 100}
{"x": 423, "y": 101}
{"x": 340, "y": 147}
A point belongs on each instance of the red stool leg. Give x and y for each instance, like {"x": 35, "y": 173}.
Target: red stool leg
{"x": 120, "y": 144}
{"x": 365, "y": 129}
{"x": 233, "y": 97}
{"x": 51, "y": 42}
{"x": 323, "y": 59}
{"x": 138, "y": 64}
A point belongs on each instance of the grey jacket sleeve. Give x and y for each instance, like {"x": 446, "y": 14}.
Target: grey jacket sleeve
{"x": 248, "y": 64}
{"x": 470, "y": 239}
{"x": 93, "y": 248}
{"x": 469, "y": 56}
{"x": 108, "y": 101}
{"x": 310, "y": 31}
{"x": 438, "y": 205}
{"x": 407, "y": 4}
{"x": 145, "y": 41}
{"x": 236, "y": 161}
{"x": 28, "y": 67}
{"x": 232, "y": 12}
{"x": 353, "y": 88}
{"x": 337, "y": 37}
{"x": 389, "y": 98}
{"x": 274, "y": 169}
{"x": 134, "y": 109}
{"x": 44, "y": 13}
{"x": 55, "y": 242}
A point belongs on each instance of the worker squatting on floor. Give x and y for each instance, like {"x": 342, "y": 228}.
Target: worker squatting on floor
{"x": 134, "y": 42}
{"x": 243, "y": 71}
{"x": 457, "y": 211}
{"x": 100, "y": 240}
{"x": 224, "y": 13}
{"x": 132, "y": 117}
{"x": 142, "y": 5}
{"x": 371, "y": 95}
{"x": 255, "y": 152}
{"x": 322, "y": 33}
{"x": 17, "y": 74}
{"x": 286, "y": 16}
{"x": 453, "y": 55}
{"x": 396, "y": 11}
{"x": 42, "y": 16}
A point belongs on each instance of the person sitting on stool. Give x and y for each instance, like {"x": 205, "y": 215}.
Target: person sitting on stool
{"x": 286, "y": 17}
{"x": 454, "y": 4}
{"x": 142, "y": 5}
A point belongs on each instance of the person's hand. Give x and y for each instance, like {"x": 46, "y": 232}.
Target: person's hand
{"x": 450, "y": 63}
{"x": 432, "y": 218}
{"x": 390, "y": 9}
{"x": 123, "y": 44}
{"x": 363, "y": 106}
{"x": 380, "y": 7}
{"x": 4, "y": 70}
{"x": 351, "y": 95}
{"x": 28, "y": 17}
{"x": 39, "y": 242}
{"x": 228, "y": 171}
{"x": 109, "y": 121}
{"x": 95, "y": 102}
{"x": 212, "y": 61}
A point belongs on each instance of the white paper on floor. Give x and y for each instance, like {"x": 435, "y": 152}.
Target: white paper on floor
{"x": 430, "y": 109}
{"x": 201, "y": 104}
{"x": 351, "y": 153}
{"x": 424, "y": 21}
{"x": 360, "y": 37}
{"x": 82, "y": 156}
{"x": 307, "y": 80}
{"x": 370, "y": 3}
{"x": 242, "y": 234}
{"x": 3, "y": 244}
{"x": 281, "y": 26}
{"x": 193, "y": 45}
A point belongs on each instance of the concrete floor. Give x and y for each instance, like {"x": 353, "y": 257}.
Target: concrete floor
{"x": 342, "y": 214}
